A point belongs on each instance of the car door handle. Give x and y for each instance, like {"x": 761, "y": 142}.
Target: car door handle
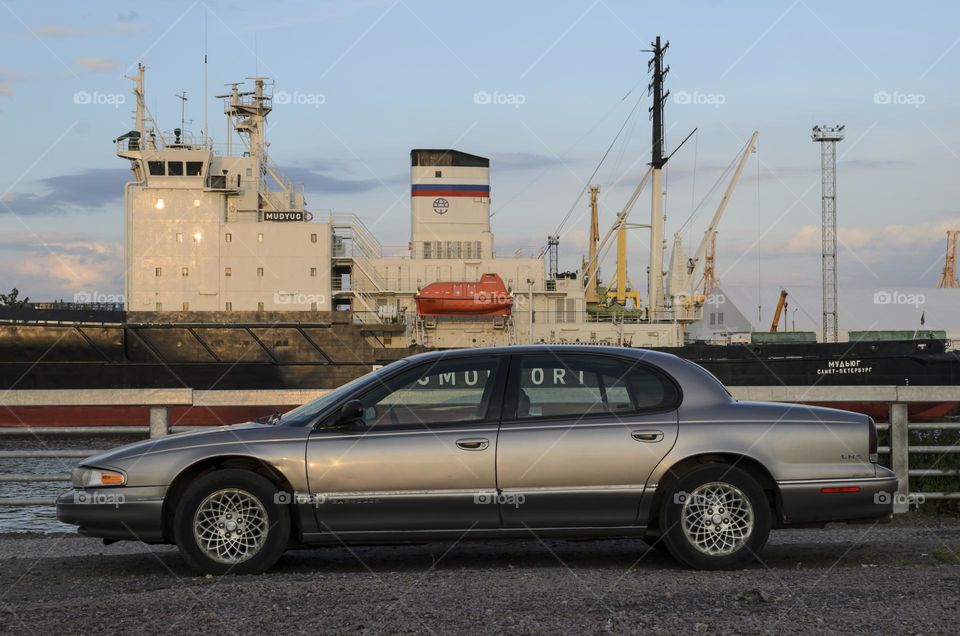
{"x": 647, "y": 436}
{"x": 473, "y": 444}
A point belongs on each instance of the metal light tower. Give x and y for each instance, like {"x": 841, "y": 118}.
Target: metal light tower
{"x": 827, "y": 137}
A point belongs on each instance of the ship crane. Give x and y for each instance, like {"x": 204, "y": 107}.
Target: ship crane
{"x": 619, "y": 227}
{"x": 781, "y": 307}
{"x": 948, "y": 279}
{"x": 682, "y": 269}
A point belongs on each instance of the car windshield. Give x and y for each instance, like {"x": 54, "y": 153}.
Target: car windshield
{"x": 306, "y": 413}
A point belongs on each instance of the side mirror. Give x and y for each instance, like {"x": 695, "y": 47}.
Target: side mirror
{"x": 351, "y": 413}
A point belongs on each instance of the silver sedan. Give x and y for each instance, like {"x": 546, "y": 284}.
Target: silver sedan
{"x": 503, "y": 443}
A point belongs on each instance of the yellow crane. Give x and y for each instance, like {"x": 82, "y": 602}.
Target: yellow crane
{"x": 949, "y": 276}
{"x": 592, "y": 294}
{"x": 781, "y": 307}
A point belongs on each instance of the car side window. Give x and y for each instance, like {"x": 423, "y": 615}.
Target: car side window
{"x": 448, "y": 391}
{"x": 577, "y": 385}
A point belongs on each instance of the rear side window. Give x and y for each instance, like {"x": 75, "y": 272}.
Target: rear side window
{"x": 577, "y": 385}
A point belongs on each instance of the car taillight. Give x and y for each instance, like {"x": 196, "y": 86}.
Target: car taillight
{"x": 874, "y": 443}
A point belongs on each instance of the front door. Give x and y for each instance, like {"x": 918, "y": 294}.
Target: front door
{"x": 581, "y": 435}
{"x": 424, "y": 457}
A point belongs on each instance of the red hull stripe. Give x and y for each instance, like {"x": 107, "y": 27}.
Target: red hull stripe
{"x": 451, "y": 193}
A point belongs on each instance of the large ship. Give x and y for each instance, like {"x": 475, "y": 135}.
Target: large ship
{"x": 232, "y": 283}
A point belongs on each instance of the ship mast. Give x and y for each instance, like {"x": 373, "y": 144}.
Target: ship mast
{"x": 657, "y": 161}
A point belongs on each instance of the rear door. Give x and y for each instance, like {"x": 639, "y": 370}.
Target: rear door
{"x": 581, "y": 433}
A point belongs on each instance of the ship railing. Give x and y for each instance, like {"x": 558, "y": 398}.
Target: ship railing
{"x": 349, "y": 226}
{"x": 924, "y": 455}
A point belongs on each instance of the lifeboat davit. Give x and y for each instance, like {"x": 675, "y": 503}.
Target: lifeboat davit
{"x": 487, "y": 297}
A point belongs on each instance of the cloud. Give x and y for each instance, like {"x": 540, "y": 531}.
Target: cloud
{"x": 316, "y": 177}
{"x": 90, "y": 188}
{"x": 54, "y": 266}
{"x": 523, "y": 161}
{"x": 807, "y": 240}
{"x": 128, "y": 17}
{"x": 59, "y": 31}
{"x": 98, "y": 64}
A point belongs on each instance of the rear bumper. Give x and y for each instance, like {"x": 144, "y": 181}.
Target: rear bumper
{"x": 860, "y": 499}
{"x": 114, "y": 513}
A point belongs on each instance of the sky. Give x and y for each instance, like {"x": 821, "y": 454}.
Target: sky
{"x": 364, "y": 82}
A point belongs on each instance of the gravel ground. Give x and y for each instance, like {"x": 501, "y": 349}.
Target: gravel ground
{"x": 897, "y": 578}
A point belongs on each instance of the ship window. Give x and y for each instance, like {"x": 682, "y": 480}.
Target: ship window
{"x": 438, "y": 174}
{"x": 229, "y": 306}
{"x": 159, "y": 306}
{"x": 427, "y": 249}
{"x": 157, "y": 272}
{"x": 260, "y": 272}
{"x": 713, "y": 319}
{"x": 155, "y": 168}
{"x": 174, "y": 168}
{"x": 228, "y": 238}
{"x": 720, "y": 318}
{"x": 313, "y": 271}
{"x": 313, "y": 306}
{"x": 194, "y": 168}
{"x": 186, "y": 306}
{"x": 313, "y": 238}
{"x": 260, "y": 306}
{"x": 185, "y": 271}
{"x": 227, "y": 271}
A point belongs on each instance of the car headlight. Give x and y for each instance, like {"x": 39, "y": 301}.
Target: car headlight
{"x": 84, "y": 477}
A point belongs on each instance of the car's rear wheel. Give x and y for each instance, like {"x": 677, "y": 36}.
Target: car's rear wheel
{"x": 230, "y": 522}
{"x": 715, "y": 517}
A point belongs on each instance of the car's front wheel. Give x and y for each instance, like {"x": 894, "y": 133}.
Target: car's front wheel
{"x": 231, "y": 522}
{"x": 715, "y": 517}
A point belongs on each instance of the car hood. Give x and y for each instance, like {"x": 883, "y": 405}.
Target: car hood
{"x": 170, "y": 442}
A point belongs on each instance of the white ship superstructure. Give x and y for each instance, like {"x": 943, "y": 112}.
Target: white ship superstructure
{"x": 221, "y": 229}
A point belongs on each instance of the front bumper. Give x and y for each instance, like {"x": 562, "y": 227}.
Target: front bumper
{"x": 805, "y": 501}
{"x": 115, "y": 513}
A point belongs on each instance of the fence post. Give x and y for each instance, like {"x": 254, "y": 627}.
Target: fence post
{"x": 900, "y": 453}
{"x": 158, "y": 421}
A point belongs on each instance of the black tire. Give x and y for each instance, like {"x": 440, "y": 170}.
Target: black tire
{"x": 741, "y": 547}
{"x": 273, "y": 532}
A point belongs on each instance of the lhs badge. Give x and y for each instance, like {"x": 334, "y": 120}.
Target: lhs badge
{"x": 441, "y": 206}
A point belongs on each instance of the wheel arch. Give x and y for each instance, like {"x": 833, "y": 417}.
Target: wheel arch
{"x": 747, "y": 464}
{"x": 207, "y": 465}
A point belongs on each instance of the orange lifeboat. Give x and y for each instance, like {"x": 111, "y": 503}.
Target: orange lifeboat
{"x": 487, "y": 297}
